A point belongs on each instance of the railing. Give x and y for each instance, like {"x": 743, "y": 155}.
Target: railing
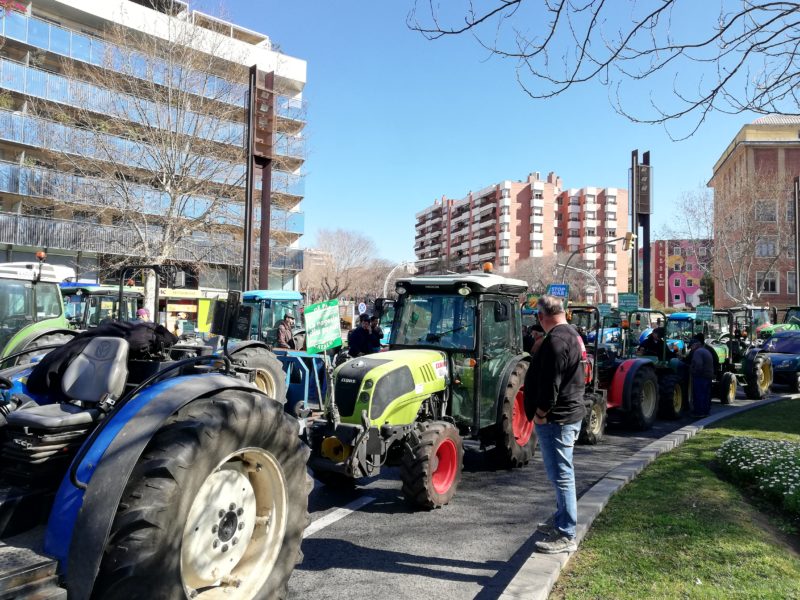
{"x": 55, "y": 185}
{"x": 42, "y": 232}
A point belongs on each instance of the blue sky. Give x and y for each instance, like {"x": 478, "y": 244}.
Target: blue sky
{"x": 395, "y": 121}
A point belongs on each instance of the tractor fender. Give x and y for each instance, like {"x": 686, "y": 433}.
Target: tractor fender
{"x": 619, "y": 395}
{"x": 29, "y": 339}
{"x": 504, "y": 377}
{"x": 240, "y": 344}
{"x": 81, "y": 520}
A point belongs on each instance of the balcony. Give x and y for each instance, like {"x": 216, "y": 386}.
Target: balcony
{"x": 612, "y": 223}
{"x": 57, "y": 234}
{"x": 573, "y": 240}
{"x": 592, "y": 254}
{"x": 593, "y": 223}
{"x": 574, "y": 209}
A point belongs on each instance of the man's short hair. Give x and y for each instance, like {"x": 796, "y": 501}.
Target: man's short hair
{"x": 363, "y": 317}
{"x": 550, "y": 305}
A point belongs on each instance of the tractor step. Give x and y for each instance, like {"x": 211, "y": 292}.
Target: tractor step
{"x": 25, "y": 572}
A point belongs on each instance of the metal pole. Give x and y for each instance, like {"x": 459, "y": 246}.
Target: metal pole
{"x": 588, "y": 274}
{"x": 266, "y": 220}
{"x": 645, "y": 220}
{"x": 634, "y": 224}
{"x": 585, "y": 248}
{"x": 247, "y": 257}
{"x": 389, "y": 276}
{"x": 797, "y": 241}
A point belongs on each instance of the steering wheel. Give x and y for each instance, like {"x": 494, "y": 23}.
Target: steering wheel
{"x": 5, "y": 383}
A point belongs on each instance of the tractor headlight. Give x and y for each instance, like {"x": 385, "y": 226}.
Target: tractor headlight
{"x": 363, "y": 397}
{"x": 464, "y": 290}
{"x": 368, "y": 384}
{"x": 400, "y": 290}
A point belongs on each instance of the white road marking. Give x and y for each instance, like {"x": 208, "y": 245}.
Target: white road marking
{"x": 336, "y": 515}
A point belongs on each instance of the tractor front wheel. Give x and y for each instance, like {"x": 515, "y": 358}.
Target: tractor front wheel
{"x": 516, "y": 436}
{"x": 644, "y": 399}
{"x": 671, "y": 404}
{"x": 759, "y": 378}
{"x": 727, "y": 388}
{"x": 432, "y": 463}
{"x": 270, "y": 377}
{"x": 594, "y": 423}
{"x": 216, "y": 506}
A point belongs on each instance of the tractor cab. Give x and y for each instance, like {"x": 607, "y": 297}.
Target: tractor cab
{"x": 639, "y": 336}
{"x": 269, "y": 306}
{"x": 748, "y": 324}
{"x": 86, "y": 305}
{"x": 681, "y": 326}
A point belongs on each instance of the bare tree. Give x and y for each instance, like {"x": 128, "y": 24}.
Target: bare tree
{"x": 155, "y": 142}
{"x": 344, "y": 256}
{"x": 541, "y": 271}
{"x": 686, "y": 58}
{"x": 751, "y": 224}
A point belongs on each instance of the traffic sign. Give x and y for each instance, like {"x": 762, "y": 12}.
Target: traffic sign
{"x": 362, "y": 308}
{"x": 628, "y": 302}
{"x": 559, "y": 290}
{"x": 322, "y": 326}
{"x": 704, "y": 313}
{"x": 604, "y": 309}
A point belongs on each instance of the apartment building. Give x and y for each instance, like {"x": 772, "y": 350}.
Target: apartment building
{"x": 678, "y": 268}
{"x": 514, "y": 221}
{"x": 45, "y": 203}
{"x": 754, "y": 213}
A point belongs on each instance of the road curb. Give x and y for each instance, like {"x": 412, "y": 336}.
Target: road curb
{"x": 539, "y": 573}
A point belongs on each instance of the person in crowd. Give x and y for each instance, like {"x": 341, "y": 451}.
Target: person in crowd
{"x": 359, "y": 340}
{"x": 180, "y": 324}
{"x": 285, "y": 327}
{"x": 655, "y": 344}
{"x": 701, "y": 367}
{"x": 142, "y": 316}
{"x": 533, "y": 338}
{"x": 376, "y": 332}
{"x": 554, "y": 388}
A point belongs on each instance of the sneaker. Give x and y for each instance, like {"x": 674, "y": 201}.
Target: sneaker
{"x": 547, "y": 529}
{"x": 557, "y": 545}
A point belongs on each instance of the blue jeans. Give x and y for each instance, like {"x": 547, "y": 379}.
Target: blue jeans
{"x": 556, "y": 443}
{"x": 701, "y": 395}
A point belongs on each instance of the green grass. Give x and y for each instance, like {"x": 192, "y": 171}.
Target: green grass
{"x": 679, "y": 531}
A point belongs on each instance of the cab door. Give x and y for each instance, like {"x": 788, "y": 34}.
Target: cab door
{"x": 496, "y": 348}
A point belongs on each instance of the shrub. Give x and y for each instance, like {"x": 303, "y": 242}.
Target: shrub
{"x": 771, "y": 468}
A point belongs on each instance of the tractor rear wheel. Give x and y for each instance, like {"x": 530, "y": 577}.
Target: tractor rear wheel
{"x": 215, "y": 506}
{"x": 759, "y": 378}
{"x": 727, "y": 388}
{"x": 47, "y": 339}
{"x": 671, "y": 403}
{"x": 432, "y": 463}
{"x": 516, "y": 436}
{"x": 594, "y": 423}
{"x": 270, "y": 377}
{"x": 644, "y": 399}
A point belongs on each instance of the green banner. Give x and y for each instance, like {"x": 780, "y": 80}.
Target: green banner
{"x": 704, "y": 313}
{"x": 604, "y": 309}
{"x": 322, "y": 326}
{"x": 628, "y": 302}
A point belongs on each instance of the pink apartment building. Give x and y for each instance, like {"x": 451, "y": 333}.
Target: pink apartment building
{"x": 511, "y": 221}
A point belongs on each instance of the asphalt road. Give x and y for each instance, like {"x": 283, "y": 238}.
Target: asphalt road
{"x": 471, "y": 548}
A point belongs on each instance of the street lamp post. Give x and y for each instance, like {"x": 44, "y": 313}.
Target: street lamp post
{"x": 628, "y": 237}
{"x": 405, "y": 263}
{"x": 588, "y": 274}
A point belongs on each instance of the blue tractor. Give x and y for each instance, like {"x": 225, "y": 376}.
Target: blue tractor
{"x": 136, "y": 467}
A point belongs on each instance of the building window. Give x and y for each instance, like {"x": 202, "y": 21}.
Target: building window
{"x": 612, "y": 233}
{"x": 559, "y": 201}
{"x": 574, "y": 201}
{"x": 689, "y": 282}
{"x": 610, "y": 249}
{"x": 537, "y": 244}
{"x": 611, "y": 216}
{"x": 538, "y": 196}
{"x": 611, "y": 199}
{"x": 676, "y": 283}
{"x": 538, "y": 211}
{"x": 676, "y": 297}
{"x": 504, "y": 261}
{"x": 504, "y": 243}
{"x": 766, "y": 283}
{"x": 37, "y": 211}
{"x": 611, "y": 281}
{"x": 505, "y": 193}
{"x": 791, "y": 288}
{"x": 766, "y": 211}
{"x": 676, "y": 251}
{"x": 678, "y": 267}
{"x": 701, "y": 251}
{"x": 537, "y": 228}
{"x": 590, "y": 214}
{"x": 766, "y": 248}
{"x": 611, "y": 297}
{"x": 611, "y": 265}
{"x": 790, "y": 210}
{"x": 590, "y": 231}
{"x": 558, "y": 216}
{"x": 573, "y": 247}
{"x": 574, "y": 219}
{"x": 505, "y": 210}
{"x": 589, "y": 199}
{"x": 82, "y": 216}
{"x": 574, "y": 233}
{"x": 559, "y": 233}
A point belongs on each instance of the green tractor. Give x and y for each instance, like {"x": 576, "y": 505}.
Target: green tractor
{"x": 790, "y": 322}
{"x": 455, "y": 369}
{"x": 88, "y": 305}
{"x": 31, "y": 310}
{"x": 753, "y": 369}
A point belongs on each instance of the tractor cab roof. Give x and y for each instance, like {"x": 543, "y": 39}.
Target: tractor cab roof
{"x": 93, "y": 289}
{"x": 477, "y": 283}
{"x": 256, "y": 295}
{"x": 30, "y": 272}
{"x": 682, "y": 316}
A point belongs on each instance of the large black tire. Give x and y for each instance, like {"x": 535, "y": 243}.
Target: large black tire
{"x": 48, "y": 339}
{"x": 758, "y": 378}
{"x": 516, "y": 436}
{"x": 644, "y": 399}
{"x": 270, "y": 377}
{"x": 213, "y": 437}
{"x": 432, "y": 464}
{"x": 593, "y": 426}
{"x": 727, "y": 388}
{"x": 671, "y": 401}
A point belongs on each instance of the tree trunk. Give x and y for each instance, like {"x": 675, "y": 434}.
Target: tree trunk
{"x": 150, "y": 293}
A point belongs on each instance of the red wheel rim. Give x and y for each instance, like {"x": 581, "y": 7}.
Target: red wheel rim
{"x": 447, "y": 463}
{"x": 520, "y": 426}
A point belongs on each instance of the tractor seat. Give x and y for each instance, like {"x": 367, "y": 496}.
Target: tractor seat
{"x": 98, "y": 372}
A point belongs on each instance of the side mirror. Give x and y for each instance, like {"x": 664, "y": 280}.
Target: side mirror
{"x": 501, "y": 312}
{"x": 379, "y": 305}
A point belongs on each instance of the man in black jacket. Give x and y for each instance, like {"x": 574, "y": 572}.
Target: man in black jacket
{"x": 554, "y": 387}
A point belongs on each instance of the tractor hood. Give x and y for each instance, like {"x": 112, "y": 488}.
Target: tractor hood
{"x": 390, "y": 386}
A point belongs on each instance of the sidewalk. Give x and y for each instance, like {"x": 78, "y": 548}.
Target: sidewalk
{"x": 539, "y": 573}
